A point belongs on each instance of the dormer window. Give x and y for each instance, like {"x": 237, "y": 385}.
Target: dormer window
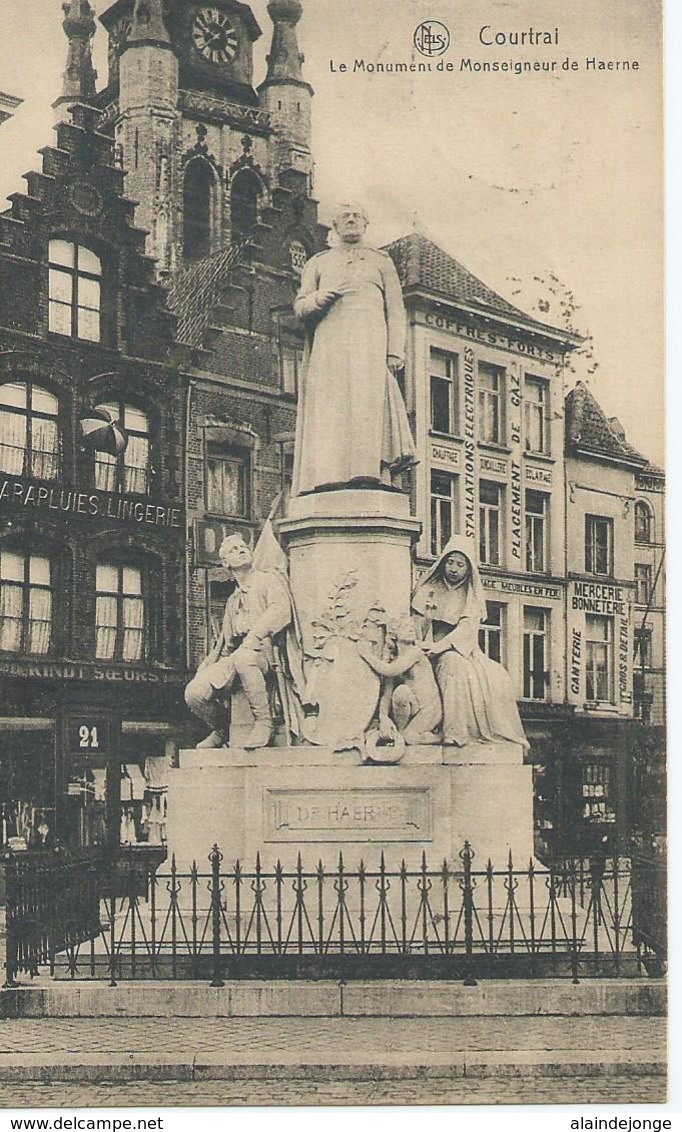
{"x": 75, "y": 291}
{"x": 643, "y": 523}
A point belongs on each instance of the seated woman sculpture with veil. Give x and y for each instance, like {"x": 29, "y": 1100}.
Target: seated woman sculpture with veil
{"x": 478, "y": 699}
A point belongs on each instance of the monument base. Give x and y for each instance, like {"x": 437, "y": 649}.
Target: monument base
{"x": 310, "y": 800}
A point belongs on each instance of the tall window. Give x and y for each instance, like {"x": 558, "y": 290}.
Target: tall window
{"x": 244, "y": 202}
{"x": 29, "y": 431}
{"x": 491, "y": 403}
{"x": 536, "y": 411}
{"x": 643, "y": 647}
{"x": 120, "y": 616}
{"x": 75, "y": 284}
{"x": 25, "y": 602}
{"x": 291, "y": 363}
{"x": 227, "y": 481}
{"x": 130, "y": 472}
{"x": 286, "y": 466}
{"x": 444, "y": 392}
{"x": 537, "y": 508}
{"x": 535, "y": 653}
{"x": 443, "y": 509}
{"x": 197, "y": 207}
{"x": 490, "y": 523}
{"x": 643, "y": 583}
{"x": 490, "y": 634}
{"x": 598, "y": 545}
{"x": 643, "y": 522}
{"x": 599, "y": 648}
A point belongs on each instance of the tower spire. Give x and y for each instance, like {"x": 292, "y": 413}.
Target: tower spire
{"x": 80, "y": 76}
{"x": 285, "y": 59}
{"x": 148, "y": 24}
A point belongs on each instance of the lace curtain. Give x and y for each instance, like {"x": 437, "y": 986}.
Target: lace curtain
{"x": 11, "y": 618}
{"x": 133, "y": 631}
{"x": 106, "y": 627}
{"x": 44, "y": 461}
{"x": 12, "y": 443}
{"x": 39, "y": 621}
{"x": 11, "y": 602}
{"x": 45, "y": 448}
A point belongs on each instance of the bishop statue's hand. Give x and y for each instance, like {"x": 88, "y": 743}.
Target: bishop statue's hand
{"x": 394, "y": 363}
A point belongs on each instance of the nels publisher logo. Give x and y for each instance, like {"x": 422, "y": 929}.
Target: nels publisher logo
{"x": 431, "y": 38}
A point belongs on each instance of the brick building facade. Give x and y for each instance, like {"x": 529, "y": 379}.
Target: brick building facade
{"x": 91, "y": 544}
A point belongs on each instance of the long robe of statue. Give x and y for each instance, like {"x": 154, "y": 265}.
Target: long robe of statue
{"x": 352, "y": 424}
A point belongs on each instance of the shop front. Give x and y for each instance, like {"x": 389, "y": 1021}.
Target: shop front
{"x": 84, "y": 754}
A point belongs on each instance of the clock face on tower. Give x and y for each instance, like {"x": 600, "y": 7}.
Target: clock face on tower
{"x": 214, "y": 36}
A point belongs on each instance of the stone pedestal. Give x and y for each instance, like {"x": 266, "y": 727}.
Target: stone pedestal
{"x": 283, "y": 801}
{"x": 332, "y": 535}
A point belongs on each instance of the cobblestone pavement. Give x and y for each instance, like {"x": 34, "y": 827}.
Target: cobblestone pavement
{"x": 541, "y": 1060}
{"x": 327, "y": 1039}
{"x": 158, "y": 1095}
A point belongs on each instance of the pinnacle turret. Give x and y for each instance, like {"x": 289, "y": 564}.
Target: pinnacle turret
{"x": 80, "y": 76}
{"x": 148, "y": 24}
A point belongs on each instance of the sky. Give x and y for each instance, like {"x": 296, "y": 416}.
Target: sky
{"x": 548, "y": 186}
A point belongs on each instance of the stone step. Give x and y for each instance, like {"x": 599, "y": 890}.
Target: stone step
{"x": 325, "y": 998}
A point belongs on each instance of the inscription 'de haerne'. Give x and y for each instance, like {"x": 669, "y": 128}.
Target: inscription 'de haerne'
{"x": 348, "y": 815}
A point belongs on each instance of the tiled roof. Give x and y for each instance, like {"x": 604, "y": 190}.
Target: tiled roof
{"x": 420, "y": 262}
{"x": 651, "y": 469}
{"x": 195, "y": 291}
{"x": 589, "y": 429}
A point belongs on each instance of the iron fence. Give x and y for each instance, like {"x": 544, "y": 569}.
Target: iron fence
{"x": 649, "y": 908}
{"x": 53, "y": 901}
{"x": 455, "y": 922}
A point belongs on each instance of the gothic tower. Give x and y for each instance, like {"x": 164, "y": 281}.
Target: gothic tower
{"x": 286, "y": 95}
{"x": 203, "y": 150}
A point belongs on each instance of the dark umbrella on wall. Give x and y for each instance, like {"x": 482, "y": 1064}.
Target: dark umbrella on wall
{"x": 102, "y": 433}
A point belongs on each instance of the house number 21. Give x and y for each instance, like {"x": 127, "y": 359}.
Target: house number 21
{"x": 89, "y": 738}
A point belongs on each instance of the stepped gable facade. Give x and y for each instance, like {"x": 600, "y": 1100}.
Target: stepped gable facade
{"x": 91, "y": 544}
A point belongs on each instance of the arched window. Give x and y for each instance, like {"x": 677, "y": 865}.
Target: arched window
{"x": 643, "y": 522}
{"x": 197, "y": 209}
{"x": 75, "y": 284}
{"x": 244, "y": 202}
{"x": 25, "y": 602}
{"x": 128, "y": 473}
{"x": 29, "y": 431}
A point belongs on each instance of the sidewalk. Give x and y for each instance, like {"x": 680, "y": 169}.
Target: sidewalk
{"x": 332, "y": 1060}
